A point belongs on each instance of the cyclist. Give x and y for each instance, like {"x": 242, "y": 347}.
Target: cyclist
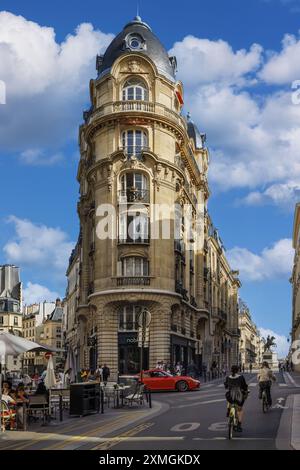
{"x": 265, "y": 378}
{"x": 237, "y": 393}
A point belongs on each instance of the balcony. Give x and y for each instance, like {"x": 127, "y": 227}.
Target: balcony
{"x": 133, "y": 196}
{"x": 174, "y": 328}
{"x": 180, "y": 290}
{"x": 133, "y": 281}
{"x": 183, "y": 331}
{"x": 134, "y": 241}
{"x": 206, "y": 274}
{"x": 132, "y": 106}
{"x": 234, "y": 331}
{"x": 134, "y": 150}
{"x": 193, "y": 302}
{"x": 219, "y": 314}
{"x": 179, "y": 246}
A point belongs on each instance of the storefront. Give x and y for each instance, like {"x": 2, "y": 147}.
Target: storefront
{"x": 129, "y": 354}
{"x": 182, "y": 350}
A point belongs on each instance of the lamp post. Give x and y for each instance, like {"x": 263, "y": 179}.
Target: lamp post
{"x": 144, "y": 320}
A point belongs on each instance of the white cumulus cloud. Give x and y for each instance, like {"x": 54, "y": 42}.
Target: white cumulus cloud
{"x": 273, "y": 262}
{"x": 46, "y": 81}
{"x": 282, "y": 345}
{"x": 35, "y": 293}
{"x": 36, "y": 245}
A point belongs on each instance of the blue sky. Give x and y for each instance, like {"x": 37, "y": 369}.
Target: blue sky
{"x": 237, "y": 69}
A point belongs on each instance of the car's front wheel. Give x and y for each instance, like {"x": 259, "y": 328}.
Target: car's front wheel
{"x": 182, "y": 386}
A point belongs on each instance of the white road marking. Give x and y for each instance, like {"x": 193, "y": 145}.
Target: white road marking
{"x": 218, "y": 426}
{"x": 234, "y": 439}
{"x": 185, "y": 427}
{"x": 283, "y": 385}
{"x": 222, "y": 385}
{"x": 253, "y": 385}
{"x": 207, "y": 395}
{"x": 201, "y": 403}
{"x": 286, "y": 374}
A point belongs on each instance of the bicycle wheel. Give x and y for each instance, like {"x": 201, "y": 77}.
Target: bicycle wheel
{"x": 230, "y": 427}
{"x": 265, "y": 405}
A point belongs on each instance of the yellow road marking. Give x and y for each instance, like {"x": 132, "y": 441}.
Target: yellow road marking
{"x": 16, "y": 445}
{"x": 123, "y": 419}
{"x": 111, "y": 442}
{"x": 45, "y": 436}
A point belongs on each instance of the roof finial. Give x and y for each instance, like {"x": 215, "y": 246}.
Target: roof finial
{"x": 188, "y": 116}
{"x": 138, "y": 18}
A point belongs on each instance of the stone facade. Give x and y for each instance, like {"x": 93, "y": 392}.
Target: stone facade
{"x": 251, "y": 343}
{"x": 11, "y": 308}
{"x": 143, "y": 159}
{"x": 295, "y": 281}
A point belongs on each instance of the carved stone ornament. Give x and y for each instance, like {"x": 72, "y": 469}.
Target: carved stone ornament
{"x": 134, "y": 66}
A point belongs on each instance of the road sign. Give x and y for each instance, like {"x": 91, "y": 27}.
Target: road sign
{"x": 144, "y": 318}
{"x": 48, "y": 355}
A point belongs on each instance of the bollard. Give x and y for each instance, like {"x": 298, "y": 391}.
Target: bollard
{"x": 60, "y": 408}
{"x": 102, "y": 400}
{"x": 150, "y": 399}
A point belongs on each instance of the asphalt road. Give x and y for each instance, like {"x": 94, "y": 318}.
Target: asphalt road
{"x": 197, "y": 421}
{"x": 180, "y": 421}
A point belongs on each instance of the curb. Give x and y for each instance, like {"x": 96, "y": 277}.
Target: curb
{"x": 288, "y": 435}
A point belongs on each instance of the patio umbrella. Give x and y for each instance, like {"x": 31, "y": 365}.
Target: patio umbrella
{"x": 50, "y": 380}
{"x": 71, "y": 364}
{"x": 11, "y": 345}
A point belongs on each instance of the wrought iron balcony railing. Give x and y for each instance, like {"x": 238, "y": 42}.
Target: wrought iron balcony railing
{"x": 134, "y": 241}
{"x": 133, "y": 281}
{"x": 134, "y": 195}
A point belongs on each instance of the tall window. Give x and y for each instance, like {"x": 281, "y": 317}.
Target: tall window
{"x": 128, "y": 317}
{"x": 133, "y": 228}
{"x": 134, "y": 188}
{"x": 1, "y": 321}
{"x": 135, "y": 266}
{"x": 16, "y": 321}
{"x": 134, "y": 141}
{"x": 135, "y": 89}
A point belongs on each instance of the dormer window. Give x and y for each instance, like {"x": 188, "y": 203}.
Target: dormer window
{"x": 135, "y": 42}
{"x": 135, "y": 90}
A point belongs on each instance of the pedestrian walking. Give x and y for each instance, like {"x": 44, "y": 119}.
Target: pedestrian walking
{"x": 251, "y": 367}
{"x": 105, "y": 374}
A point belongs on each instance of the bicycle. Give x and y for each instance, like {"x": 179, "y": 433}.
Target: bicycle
{"x": 265, "y": 402}
{"x": 233, "y": 419}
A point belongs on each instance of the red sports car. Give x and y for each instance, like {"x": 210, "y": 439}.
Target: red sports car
{"x": 157, "y": 379}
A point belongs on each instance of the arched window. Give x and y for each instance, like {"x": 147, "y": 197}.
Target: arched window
{"x": 135, "y": 266}
{"x": 134, "y": 142}
{"x": 135, "y": 90}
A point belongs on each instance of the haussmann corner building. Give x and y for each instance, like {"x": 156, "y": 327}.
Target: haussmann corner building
{"x": 138, "y": 153}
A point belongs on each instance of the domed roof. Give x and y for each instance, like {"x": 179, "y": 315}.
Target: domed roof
{"x": 137, "y": 36}
{"x": 194, "y": 133}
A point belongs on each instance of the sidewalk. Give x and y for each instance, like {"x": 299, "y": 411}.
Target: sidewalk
{"x": 73, "y": 433}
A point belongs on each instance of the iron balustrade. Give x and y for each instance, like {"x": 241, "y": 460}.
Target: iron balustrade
{"x": 134, "y": 241}
{"x": 134, "y": 195}
{"x": 135, "y": 150}
{"x": 133, "y": 281}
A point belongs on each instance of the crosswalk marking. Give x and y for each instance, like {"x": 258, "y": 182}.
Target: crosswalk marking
{"x": 283, "y": 385}
{"x": 253, "y": 385}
